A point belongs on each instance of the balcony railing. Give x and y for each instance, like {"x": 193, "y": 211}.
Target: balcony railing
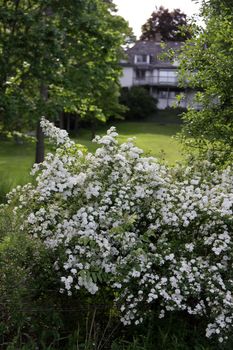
{"x": 156, "y": 80}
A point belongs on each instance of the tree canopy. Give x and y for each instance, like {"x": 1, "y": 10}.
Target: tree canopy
{"x": 172, "y": 26}
{"x": 206, "y": 64}
{"x": 58, "y": 56}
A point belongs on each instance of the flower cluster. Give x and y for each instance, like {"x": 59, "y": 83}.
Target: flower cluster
{"x": 150, "y": 233}
{"x": 60, "y": 136}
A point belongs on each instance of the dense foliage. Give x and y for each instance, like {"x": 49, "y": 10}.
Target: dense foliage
{"x": 120, "y": 227}
{"x": 206, "y": 64}
{"x": 59, "y": 56}
{"x": 171, "y": 26}
{"x": 140, "y": 104}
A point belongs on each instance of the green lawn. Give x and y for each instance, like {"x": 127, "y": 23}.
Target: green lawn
{"x": 155, "y": 139}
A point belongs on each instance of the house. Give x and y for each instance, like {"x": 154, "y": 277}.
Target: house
{"x": 145, "y": 67}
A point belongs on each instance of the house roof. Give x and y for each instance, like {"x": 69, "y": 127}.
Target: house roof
{"x": 154, "y": 49}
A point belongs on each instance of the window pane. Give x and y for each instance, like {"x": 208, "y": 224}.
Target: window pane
{"x": 167, "y": 76}
{"x": 172, "y": 74}
{"x": 163, "y": 94}
{"x": 172, "y": 94}
{"x": 141, "y": 58}
{"x": 140, "y": 74}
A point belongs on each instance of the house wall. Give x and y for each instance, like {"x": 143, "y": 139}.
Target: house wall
{"x": 154, "y": 79}
{"x": 126, "y": 80}
{"x": 155, "y": 74}
{"x": 167, "y": 98}
{"x": 162, "y": 103}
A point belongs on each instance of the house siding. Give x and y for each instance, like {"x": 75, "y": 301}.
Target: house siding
{"x": 126, "y": 80}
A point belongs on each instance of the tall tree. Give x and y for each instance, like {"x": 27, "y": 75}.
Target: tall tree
{"x": 171, "y": 26}
{"x": 70, "y": 48}
{"x": 206, "y": 63}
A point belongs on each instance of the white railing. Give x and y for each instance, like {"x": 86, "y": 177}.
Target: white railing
{"x": 156, "y": 80}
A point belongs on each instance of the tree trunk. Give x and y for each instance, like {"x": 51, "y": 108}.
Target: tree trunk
{"x": 76, "y": 124}
{"x": 39, "y": 144}
{"x": 68, "y": 123}
{"x": 39, "y": 132}
{"x": 93, "y": 129}
{"x": 61, "y": 121}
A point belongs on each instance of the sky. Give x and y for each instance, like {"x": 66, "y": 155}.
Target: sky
{"x": 136, "y": 12}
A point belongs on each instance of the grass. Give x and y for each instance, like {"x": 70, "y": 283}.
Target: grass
{"x": 155, "y": 139}
{"x": 16, "y": 161}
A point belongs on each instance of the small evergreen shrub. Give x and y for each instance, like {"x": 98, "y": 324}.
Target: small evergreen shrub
{"x": 140, "y": 104}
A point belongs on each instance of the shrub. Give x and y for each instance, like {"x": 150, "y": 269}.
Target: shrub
{"x": 5, "y": 186}
{"x": 33, "y": 312}
{"x": 121, "y": 225}
{"x": 139, "y": 102}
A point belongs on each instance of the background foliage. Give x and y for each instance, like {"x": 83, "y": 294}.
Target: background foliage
{"x": 59, "y": 57}
{"x": 206, "y": 65}
{"x": 168, "y": 25}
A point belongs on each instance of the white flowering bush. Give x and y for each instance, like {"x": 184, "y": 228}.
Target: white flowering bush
{"x": 151, "y": 234}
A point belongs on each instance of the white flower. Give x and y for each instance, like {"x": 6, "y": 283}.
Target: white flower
{"x": 189, "y": 247}
{"x": 123, "y": 222}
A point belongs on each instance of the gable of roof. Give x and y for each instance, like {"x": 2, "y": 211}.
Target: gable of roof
{"x": 154, "y": 49}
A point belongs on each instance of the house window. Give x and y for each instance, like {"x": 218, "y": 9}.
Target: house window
{"x": 140, "y": 74}
{"x": 140, "y": 59}
{"x": 167, "y": 76}
{"x": 173, "y": 94}
{"x": 163, "y": 94}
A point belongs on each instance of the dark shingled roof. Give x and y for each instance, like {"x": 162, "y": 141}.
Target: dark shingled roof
{"x": 154, "y": 49}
